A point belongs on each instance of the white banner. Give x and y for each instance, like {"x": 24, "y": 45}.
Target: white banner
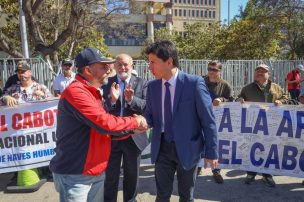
{"x": 261, "y": 137}
{"x": 253, "y": 137}
{"x": 27, "y": 135}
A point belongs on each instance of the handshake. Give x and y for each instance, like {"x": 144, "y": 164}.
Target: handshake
{"x": 142, "y": 124}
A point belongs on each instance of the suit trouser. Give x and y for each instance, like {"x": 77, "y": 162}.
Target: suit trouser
{"x": 166, "y": 165}
{"x": 128, "y": 151}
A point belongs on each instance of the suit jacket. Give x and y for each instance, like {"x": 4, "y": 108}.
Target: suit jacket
{"x": 137, "y": 105}
{"x": 194, "y": 127}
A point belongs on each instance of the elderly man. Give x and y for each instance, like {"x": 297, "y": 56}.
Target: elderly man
{"x": 65, "y": 78}
{"x": 26, "y": 89}
{"x": 84, "y": 131}
{"x": 262, "y": 90}
{"x": 125, "y": 94}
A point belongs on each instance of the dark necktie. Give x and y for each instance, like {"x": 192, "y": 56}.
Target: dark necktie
{"x": 168, "y": 114}
{"x": 123, "y": 98}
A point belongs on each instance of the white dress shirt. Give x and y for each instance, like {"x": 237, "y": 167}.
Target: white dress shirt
{"x": 172, "y": 86}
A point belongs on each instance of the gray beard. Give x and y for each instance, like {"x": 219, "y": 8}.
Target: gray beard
{"x": 105, "y": 81}
{"x": 123, "y": 76}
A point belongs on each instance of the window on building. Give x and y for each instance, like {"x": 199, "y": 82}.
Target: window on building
{"x": 188, "y": 1}
{"x": 175, "y": 12}
{"x": 206, "y": 14}
{"x": 202, "y": 13}
{"x": 213, "y": 2}
{"x": 175, "y": 1}
{"x": 202, "y": 2}
{"x": 185, "y": 1}
{"x": 180, "y": 12}
{"x": 192, "y": 1}
{"x": 185, "y": 13}
{"x": 210, "y": 14}
{"x": 206, "y": 2}
{"x": 213, "y": 14}
{"x": 210, "y": 3}
{"x": 180, "y": 1}
{"x": 197, "y": 13}
{"x": 189, "y": 13}
{"x": 197, "y": 2}
{"x": 193, "y": 13}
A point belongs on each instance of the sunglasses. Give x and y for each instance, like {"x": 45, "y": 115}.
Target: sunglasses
{"x": 212, "y": 69}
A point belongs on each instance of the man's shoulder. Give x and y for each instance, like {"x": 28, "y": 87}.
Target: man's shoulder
{"x": 59, "y": 77}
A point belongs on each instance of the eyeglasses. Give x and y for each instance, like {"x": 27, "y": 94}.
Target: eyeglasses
{"x": 122, "y": 64}
{"x": 212, "y": 69}
{"x": 21, "y": 71}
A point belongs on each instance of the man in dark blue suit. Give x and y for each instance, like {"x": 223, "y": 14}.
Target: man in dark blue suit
{"x": 125, "y": 95}
{"x": 179, "y": 109}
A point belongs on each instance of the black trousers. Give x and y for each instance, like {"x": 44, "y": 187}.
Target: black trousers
{"x": 127, "y": 151}
{"x": 294, "y": 93}
{"x": 166, "y": 165}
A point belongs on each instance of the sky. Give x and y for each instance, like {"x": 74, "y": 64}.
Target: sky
{"x": 234, "y": 8}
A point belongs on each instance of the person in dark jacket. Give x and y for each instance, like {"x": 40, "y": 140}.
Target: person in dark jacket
{"x": 220, "y": 91}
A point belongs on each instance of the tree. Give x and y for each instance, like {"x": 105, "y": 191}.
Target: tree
{"x": 285, "y": 16}
{"x": 58, "y": 25}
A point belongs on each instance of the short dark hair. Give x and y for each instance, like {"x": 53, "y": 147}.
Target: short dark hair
{"x": 215, "y": 63}
{"x": 164, "y": 49}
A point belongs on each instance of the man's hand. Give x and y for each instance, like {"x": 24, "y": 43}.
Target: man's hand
{"x": 39, "y": 93}
{"x": 115, "y": 92}
{"x": 10, "y": 101}
{"x": 142, "y": 123}
{"x": 129, "y": 93}
{"x": 241, "y": 100}
{"x": 213, "y": 163}
{"x": 216, "y": 102}
{"x": 277, "y": 103}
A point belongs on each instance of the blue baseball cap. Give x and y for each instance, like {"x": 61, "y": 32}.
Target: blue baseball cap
{"x": 90, "y": 56}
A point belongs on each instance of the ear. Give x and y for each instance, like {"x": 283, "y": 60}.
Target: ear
{"x": 170, "y": 61}
{"x": 88, "y": 70}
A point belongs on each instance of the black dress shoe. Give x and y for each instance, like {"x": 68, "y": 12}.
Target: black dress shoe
{"x": 269, "y": 181}
{"x": 218, "y": 178}
{"x": 249, "y": 179}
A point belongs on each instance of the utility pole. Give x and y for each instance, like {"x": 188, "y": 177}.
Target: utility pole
{"x": 228, "y": 12}
{"x": 23, "y": 31}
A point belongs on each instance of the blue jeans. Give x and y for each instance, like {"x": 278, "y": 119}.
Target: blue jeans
{"x": 79, "y": 188}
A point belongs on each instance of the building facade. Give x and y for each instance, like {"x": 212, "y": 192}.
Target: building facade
{"x": 147, "y": 17}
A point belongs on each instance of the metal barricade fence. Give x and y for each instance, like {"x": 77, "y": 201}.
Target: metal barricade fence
{"x": 41, "y": 70}
{"x": 237, "y": 72}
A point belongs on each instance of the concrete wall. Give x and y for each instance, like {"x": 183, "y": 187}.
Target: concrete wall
{"x": 134, "y": 51}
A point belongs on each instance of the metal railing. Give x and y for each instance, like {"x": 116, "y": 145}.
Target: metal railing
{"x": 237, "y": 72}
{"x": 41, "y": 70}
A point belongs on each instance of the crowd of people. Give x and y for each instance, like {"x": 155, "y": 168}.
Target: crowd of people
{"x": 105, "y": 110}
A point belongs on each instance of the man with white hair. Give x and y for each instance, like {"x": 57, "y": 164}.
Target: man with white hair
{"x": 125, "y": 95}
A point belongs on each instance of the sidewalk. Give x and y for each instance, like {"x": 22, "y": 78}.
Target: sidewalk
{"x": 233, "y": 190}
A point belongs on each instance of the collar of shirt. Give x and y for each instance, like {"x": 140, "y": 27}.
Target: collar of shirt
{"x": 120, "y": 82}
{"x": 172, "y": 80}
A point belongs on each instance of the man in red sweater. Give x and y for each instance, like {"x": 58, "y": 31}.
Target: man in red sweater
{"x": 84, "y": 131}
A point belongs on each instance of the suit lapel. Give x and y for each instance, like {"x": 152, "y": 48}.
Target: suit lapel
{"x": 178, "y": 90}
{"x": 133, "y": 82}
